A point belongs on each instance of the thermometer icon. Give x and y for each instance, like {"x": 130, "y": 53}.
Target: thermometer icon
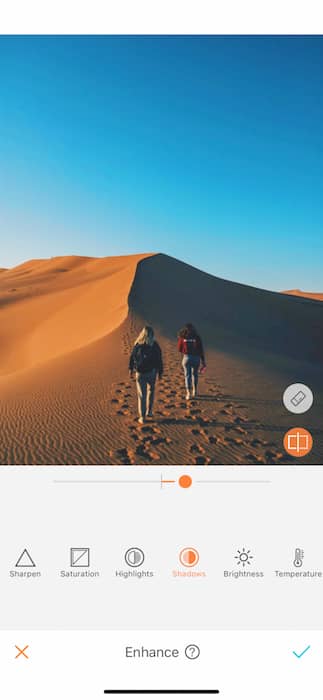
{"x": 299, "y": 556}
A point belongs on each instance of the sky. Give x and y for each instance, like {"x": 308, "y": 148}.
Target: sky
{"x": 209, "y": 149}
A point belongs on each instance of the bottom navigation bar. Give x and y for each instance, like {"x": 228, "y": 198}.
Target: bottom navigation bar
{"x": 83, "y": 665}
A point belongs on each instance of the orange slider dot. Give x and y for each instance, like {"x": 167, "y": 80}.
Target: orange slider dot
{"x": 185, "y": 481}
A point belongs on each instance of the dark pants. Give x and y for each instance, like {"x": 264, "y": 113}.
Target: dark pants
{"x": 146, "y": 391}
{"x": 191, "y": 365}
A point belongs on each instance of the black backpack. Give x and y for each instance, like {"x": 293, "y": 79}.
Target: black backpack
{"x": 145, "y": 358}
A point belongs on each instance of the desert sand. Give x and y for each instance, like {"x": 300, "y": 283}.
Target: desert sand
{"x": 67, "y": 328}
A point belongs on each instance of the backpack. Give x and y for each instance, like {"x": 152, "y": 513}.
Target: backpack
{"x": 145, "y": 358}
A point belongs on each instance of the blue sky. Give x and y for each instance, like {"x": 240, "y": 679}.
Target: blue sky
{"x": 209, "y": 149}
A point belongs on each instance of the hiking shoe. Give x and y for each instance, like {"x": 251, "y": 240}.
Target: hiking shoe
{"x": 141, "y": 420}
{"x": 149, "y": 415}
{"x": 188, "y": 396}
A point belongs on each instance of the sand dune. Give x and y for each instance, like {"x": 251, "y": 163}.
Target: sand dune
{"x": 53, "y": 307}
{"x": 67, "y": 328}
{"x": 307, "y": 295}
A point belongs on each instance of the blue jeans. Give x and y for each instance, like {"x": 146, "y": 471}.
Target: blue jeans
{"x": 146, "y": 391}
{"x": 190, "y": 366}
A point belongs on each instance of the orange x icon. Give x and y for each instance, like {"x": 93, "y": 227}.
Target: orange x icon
{"x": 22, "y": 652}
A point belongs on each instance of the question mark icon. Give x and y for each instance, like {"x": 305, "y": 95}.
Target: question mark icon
{"x": 192, "y": 651}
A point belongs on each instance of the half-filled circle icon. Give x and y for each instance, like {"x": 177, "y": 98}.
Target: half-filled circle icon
{"x": 189, "y": 556}
{"x": 134, "y": 557}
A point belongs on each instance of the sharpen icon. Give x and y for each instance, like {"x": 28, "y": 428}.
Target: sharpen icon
{"x": 25, "y": 560}
{"x": 80, "y": 556}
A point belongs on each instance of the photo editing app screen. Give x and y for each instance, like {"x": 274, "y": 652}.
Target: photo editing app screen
{"x": 161, "y": 367}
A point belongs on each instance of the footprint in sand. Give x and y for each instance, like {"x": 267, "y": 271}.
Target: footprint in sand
{"x": 202, "y": 433}
{"x": 152, "y": 430}
{"x": 213, "y": 440}
{"x": 254, "y": 459}
{"x": 125, "y": 456}
{"x": 144, "y": 451}
{"x": 200, "y": 460}
{"x": 196, "y": 449}
{"x": 161, "y": 441}
{"x": 276, "y": 457}
{"x": 238, "y": 429}
{"x": 153, "y": 455}
{"x": 236, "y": 441}
{"x": 204, "y": 421}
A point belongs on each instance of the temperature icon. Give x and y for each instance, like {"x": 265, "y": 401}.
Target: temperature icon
{"x": 298, "y": 558}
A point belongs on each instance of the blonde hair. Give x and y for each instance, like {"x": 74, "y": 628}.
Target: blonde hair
{"x": 145, "y": 336}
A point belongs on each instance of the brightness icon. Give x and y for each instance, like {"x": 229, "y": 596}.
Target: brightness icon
{"x": 244, "y": 557}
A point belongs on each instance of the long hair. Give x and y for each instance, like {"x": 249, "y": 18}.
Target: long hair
{"x": 146, "y": 336}
{"x": 187, "y": 331}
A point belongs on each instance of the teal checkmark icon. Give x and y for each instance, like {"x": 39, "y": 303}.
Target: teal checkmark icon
{"x": 299, "y": 656}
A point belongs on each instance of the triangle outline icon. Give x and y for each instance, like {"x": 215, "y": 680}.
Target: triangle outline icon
{"x": 25, "y": 560}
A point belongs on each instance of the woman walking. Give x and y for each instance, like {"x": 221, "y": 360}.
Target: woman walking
{"x": 146, "y": 361}
{"x": 191, "y": 347}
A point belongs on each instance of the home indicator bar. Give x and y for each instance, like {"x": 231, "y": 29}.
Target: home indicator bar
{"x": 176, "y": 691}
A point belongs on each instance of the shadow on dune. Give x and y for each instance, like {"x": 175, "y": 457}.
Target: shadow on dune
{"x": 233, "y": 317}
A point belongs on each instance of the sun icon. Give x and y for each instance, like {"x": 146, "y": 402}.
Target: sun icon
{"x": 244, "y": 557}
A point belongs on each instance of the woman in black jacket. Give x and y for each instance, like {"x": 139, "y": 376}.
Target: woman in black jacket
{"x": 146, "y": 361}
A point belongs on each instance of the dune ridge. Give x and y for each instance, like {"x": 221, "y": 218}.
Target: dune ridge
{"x": 316, "y": 296}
